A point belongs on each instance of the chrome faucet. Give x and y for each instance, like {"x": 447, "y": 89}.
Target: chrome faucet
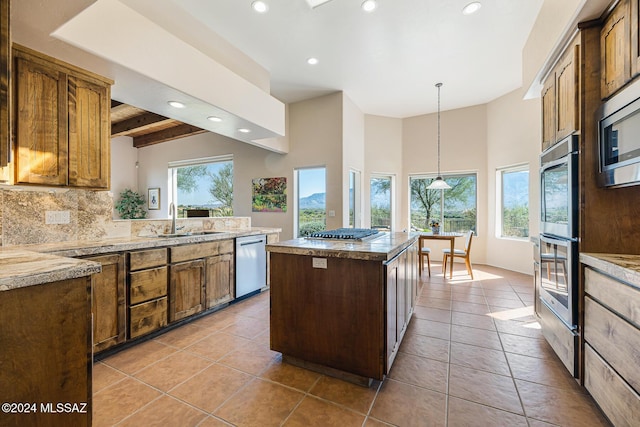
{"x": 172, "y": 212}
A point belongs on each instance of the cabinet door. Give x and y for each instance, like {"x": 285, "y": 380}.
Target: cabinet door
{"x": 614, "y": 50}
{"x": 89, "y": 134}
{"x": 219, "y": 279}
{"x": 549, "y": 112}
{"x": 567, "y": 94}
{"x": 109, "y": 302}
{"x": 5, "y": 66}
{"x": 186, "y": 292}
{"x": 392, "y": 313}
{"x": 41, "y": 124}
{"x": 635, "y": 37}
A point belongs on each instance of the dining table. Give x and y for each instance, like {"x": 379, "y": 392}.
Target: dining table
{"x": 450, "y": 236}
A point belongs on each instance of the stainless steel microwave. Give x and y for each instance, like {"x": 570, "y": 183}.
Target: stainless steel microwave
{"x": 619, "y": 142}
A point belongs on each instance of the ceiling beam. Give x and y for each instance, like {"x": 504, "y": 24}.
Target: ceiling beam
{"x": 165, "y": 135}
{"x": 138, "y": 123}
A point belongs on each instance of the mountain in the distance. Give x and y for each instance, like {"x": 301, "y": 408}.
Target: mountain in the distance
{"x": 314, "y": 201}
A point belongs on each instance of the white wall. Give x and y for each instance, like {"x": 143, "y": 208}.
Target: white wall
{"x": 513, "y": 129}
{"x": 352, "y": 154}
{"x": 383, "y": 155}
{"x": 463, "y": 148}
{"x": 123, "y": 167}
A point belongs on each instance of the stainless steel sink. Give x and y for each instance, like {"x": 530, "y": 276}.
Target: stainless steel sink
{"x": 174, "y": 234}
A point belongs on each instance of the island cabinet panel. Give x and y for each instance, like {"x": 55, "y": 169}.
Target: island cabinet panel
{"x": 615, "y": 47}
{"x": 219, "y": 276}
{"x": 186, "y": 289}
{"x": 46, "y": 351}
{"x": 108, "y": 302}
{"x": 333, "y": 316}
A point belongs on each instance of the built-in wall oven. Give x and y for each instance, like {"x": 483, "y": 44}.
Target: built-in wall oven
{"x": 557, "y": 261}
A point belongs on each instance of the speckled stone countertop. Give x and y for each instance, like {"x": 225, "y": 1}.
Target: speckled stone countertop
{"x": 620, "y": 266}
{"x": 381, "y": 248}
{"x": 80, "y": 248}
{"x": 19, "y": 268}
{"x": 28, "y": 265}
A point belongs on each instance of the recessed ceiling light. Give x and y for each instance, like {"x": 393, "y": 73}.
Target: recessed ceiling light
{"x": 214, "y": 119}
{"x": 369, "y": 5}
{"x": 176, "y": 104}
{"x": 312, "y": 61}
{"x": 471, "y": 8}
{"x": 260, "y": 6}
{"x": 243, "y": 130}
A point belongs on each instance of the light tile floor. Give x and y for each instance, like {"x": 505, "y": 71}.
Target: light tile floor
{"x": 473, "y": 355}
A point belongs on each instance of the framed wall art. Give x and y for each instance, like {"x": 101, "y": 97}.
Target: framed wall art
{"x": 153, "y": 199}
{"x": 269, "y": 195}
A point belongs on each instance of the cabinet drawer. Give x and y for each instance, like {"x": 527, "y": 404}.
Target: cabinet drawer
{"x": 147, "y": 259}
{"x": 147, "y": 284}
{"x": 614, "y": 396}
{"x": 616, "y": 340}
{"x": 617, "y": 296}
{"x": 563, "y": 341}
{"x": 147, "y": 317}
{"x": 201, "y": 250}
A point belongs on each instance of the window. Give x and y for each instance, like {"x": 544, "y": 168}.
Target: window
{"x": 381, "y": 202}
{"x": 513, "y": 195}
{"x": 454, "y": 209}
{"x": 310, "y": 201}
{"x": 202, "y": 184}
{"x": 354, "y": 199}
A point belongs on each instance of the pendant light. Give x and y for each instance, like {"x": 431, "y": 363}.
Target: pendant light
{"x": 438, "y": 183}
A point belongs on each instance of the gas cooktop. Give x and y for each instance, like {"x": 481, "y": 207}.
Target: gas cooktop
{"x": 358, "y": 234}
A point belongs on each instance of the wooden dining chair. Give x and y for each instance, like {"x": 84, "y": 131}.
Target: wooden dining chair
{"x": 424, "y": 253}
{"x": 461, "y": 254}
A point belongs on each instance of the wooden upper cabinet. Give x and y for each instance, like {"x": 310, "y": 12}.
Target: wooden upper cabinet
{"x": 567, "y": 93}
{"x": 615, "y": 46}
{"x": 62, "y": 123}
{"x": 5, "y": 66}
{"x": 635, "y": 37}
{"x": 549, "y": 112}
{"x": 41, "y": 126}
{"x": 89, "y": 134}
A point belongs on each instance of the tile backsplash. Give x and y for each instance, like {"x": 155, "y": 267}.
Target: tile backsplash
{"x": 23, "y": 218}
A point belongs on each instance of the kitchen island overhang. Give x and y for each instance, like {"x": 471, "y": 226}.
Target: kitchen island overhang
{"x": 342, "y": 307}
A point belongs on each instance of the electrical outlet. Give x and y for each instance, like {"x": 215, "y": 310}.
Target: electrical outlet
{"x": 57, "y": 217}
{"x": 332, "y": 213}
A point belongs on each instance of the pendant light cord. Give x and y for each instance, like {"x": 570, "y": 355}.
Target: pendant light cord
{"x": 438, "y": 85}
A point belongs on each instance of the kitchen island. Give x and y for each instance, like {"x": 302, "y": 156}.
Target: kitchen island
{"x": 45, "y": 361}
{"x": 341, "y": 307}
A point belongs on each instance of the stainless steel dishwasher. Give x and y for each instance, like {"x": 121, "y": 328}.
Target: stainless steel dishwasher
{"x": 251, "y": 264}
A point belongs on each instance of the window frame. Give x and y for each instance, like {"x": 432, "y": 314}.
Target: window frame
{"x": 446, "y": 176}
{"x": 172, "y": 168}
{"x": 296, "y": 199}
{"x": 499, "y": 231}
{"x": 392, "y": 184}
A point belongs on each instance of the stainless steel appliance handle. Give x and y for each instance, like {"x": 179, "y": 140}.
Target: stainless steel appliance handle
{"x": 254, "y": 242}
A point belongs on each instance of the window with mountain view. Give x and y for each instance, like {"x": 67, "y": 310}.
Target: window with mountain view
{"x": 455, "y": 209}
{"x": 203, "y": 184}
{"x": 381, "y": 216}
{"x": 513, "y": 190}
{"x": 311, "y": 200}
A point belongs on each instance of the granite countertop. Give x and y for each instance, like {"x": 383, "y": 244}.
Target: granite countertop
{"x": 29, "y": 265}
{"x": 381, "y": 248}
{"x": 78, "y": 248}
{"x": 621, "y": 266}
{"x": 19, "y": 268}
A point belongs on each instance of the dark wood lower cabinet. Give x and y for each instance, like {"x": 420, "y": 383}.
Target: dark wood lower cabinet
{"x": 219, "y": 280}
{"x": 109, "y": 302}
{"x": 186, "y": 289}
{"x": 46, "y": 334}
{"x": 349, "y": 316}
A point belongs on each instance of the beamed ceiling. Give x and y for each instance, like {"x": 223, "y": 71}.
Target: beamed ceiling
{"x": 147, "y": 128}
